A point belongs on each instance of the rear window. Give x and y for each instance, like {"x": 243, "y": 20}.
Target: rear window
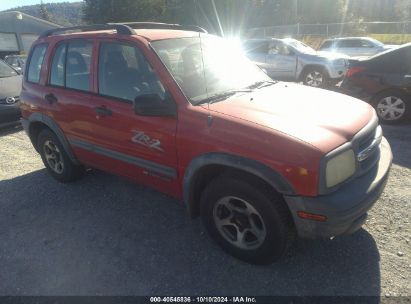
{"x": 36, "y": 62}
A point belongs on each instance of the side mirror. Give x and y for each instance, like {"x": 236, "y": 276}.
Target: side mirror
{"x": 154, "y": 105}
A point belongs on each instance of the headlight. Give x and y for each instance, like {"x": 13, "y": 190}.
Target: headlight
{"x": 339, "y": 168}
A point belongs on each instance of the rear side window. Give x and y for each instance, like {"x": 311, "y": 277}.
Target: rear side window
{"x": 78, "y": 59}
{"x": 257, "y": 47}
{"x": 349, "y": 44}
{"x": 58, "y": 69}
{"x": 36, "y": 62}
{"x": 70, "y": 67}
{"x": 326, "y": 45}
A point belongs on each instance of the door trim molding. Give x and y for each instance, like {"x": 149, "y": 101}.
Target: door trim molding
{"x": 140, "y": 162}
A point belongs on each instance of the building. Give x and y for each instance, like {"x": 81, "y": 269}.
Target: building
{"x": 18, "y": 31}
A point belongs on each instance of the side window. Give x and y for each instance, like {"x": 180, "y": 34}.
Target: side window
{"x": 124, "y": 73}
{"x": 36, "y": 62}
{"x": 326, "y": 45}
{"x": 347, "y": 44}
{"x": 58, "y": 66}
{"x": 366, "y": 44}
{"x": 78, "y": 60}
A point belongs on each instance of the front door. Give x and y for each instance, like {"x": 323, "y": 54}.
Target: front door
{"x": 281, "y": 61}
{"x": 140, "y": 147}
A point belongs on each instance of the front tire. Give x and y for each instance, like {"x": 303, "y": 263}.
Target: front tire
{"x": 315, "y": 77}
{"x": 55, "y": 158}
{"x": 248, "y": 221}
{"x": 392, "y": 106}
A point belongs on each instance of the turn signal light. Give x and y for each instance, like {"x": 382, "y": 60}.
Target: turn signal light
{"x": 311, "y": 216}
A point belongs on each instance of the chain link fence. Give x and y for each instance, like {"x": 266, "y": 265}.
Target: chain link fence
{"x": 332, "y": 29}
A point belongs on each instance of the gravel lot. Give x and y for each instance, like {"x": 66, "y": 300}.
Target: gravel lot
{"x": 106, "y": 236}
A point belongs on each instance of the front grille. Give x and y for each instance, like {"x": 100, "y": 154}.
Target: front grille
{"x": 367, "y": 148}
{"x": 10, "y": 100}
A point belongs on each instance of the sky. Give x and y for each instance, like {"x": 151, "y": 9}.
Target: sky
{"x": 7, "y": 4}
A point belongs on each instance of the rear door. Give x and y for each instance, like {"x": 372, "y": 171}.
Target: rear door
{"x": 69, "y": 92}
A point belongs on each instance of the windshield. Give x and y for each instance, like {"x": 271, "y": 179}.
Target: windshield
{"x": 6, "y": 70}
{"x": 301, "y": 47}
{"x": 207, "y": 66}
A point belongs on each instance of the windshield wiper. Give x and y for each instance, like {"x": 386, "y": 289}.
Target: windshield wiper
{"x": 222, "y": 96}
{"x": 261, "y": 84}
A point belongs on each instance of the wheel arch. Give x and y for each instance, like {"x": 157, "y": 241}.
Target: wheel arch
{"x": 307, "y": 67}
{"x": 207, "y": 166}
{"x": 39, "y": 121}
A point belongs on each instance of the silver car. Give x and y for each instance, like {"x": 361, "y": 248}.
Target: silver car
{"x": 10, "y": 88}
{"x": 292, "y": 60}
{"x": 355, "y": 46}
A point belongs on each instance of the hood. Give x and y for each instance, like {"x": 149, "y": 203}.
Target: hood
{"x": 10, "y": 86}
{"x": 389, "y": 46}
{"x": 331, "y": 55}
{"x": 321, "y": 118}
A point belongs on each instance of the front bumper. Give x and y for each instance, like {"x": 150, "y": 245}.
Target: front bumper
{"x": 345, "y": 209}
{"x": 336, "y": 72}
{"x": 9, "y": 114}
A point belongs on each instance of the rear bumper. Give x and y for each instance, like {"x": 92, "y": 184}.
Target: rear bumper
{"x": 346, "y": 209}
{"x": 355, "y": 91}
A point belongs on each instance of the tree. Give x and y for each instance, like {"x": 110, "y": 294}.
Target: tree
{"x": 44, "y": 14}
{"x": 103, "y": 11}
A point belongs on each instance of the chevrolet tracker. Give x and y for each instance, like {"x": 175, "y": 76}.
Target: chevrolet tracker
{"x": 184, "y": 112}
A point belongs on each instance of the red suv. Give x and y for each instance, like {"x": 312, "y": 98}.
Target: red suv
{"x": 185, "y": 112}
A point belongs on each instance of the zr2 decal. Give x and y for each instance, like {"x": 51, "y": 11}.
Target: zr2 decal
{"x": 143, "y": 139}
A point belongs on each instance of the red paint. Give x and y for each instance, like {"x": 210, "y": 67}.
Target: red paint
{"x": 286, "y": 127}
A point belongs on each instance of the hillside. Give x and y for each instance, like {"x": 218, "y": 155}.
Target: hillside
{"x": 65, "y": 13}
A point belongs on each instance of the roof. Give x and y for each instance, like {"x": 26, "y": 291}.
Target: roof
{"x": 30, "y": 17}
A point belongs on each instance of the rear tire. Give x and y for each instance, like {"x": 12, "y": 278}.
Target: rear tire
{"x": 55, "y": 158}
{"x": 392, "y": 107}
{"x": 248, "y": 221}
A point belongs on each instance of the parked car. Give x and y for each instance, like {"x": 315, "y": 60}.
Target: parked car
{"x": 10, "y": 87}
{"x": 292, "y": 60}
{"x": 17, "y": 62}
{"x": 384, "y": 81}
{"x": 180, "y": 110}
{"x": 355, "y": 46}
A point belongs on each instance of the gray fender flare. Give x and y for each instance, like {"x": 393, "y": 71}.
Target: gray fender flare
{"x": 52, "y": 125}
{"x": 270, "y": 176}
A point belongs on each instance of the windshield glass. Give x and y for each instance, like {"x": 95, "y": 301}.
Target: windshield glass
{"x": 207, "y": 66}
{"x": 6, "y": 70}
{"x": 302, "y": 47}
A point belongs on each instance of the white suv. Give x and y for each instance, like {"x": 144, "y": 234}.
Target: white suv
{"x": 355, "y": 46}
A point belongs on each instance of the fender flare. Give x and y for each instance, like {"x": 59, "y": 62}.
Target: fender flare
{"x": 253, "y": 167}
{"x": 52, "y": 125}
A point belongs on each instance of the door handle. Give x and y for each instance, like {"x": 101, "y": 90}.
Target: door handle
{"x": 103, "y": 111}
{"x": 51, "y": 98}
{"x": 407, "y": 76}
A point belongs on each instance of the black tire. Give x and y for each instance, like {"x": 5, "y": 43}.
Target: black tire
{"x": 69, "y": 172}
{"x": 315, "y": 70}
{"x": 381, "y": 99}
{"x": 274, "y": 215}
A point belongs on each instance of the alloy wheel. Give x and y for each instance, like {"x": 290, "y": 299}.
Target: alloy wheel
{"x": 239, "y": 223}
{"x": 391, "y": 108}
{"x": 314, "y": 79}
{"x": 53, "y": 157}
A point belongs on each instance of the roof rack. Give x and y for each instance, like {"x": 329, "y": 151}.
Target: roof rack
{"x": 126, "y": 28}
{"x": 158, "y": 25}
{"x": 120, "y": 28}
